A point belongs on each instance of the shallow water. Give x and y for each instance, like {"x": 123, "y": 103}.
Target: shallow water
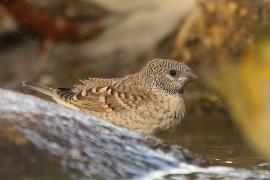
{"x": 217, "y": 141}
{"x": 188, "y": 171}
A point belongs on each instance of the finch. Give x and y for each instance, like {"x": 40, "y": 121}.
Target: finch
{"x": 149, "y": 101}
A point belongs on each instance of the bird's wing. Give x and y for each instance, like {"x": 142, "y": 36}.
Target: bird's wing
{"x": 102, "y": 99}
{"x": 94, "y": 82}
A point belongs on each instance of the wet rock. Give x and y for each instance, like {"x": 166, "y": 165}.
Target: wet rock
{"x": 43, "y": 139}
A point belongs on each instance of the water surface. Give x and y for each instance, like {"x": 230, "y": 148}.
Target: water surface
{"x": 218, "y": 141}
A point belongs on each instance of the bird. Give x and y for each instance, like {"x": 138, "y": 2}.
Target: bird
{"x": 149, "y": 101}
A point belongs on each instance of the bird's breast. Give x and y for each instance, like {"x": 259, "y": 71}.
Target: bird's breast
{"x": 159, "y": 113}
{"x": 163, "y": 113}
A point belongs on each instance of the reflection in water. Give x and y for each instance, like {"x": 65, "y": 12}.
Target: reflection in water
{"x": 218, "y": 141}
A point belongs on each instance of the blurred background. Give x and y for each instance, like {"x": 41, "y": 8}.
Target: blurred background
{"x": 226, "y": 42}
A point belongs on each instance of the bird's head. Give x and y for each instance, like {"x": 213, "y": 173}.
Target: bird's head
{"x": 167, "y": 75}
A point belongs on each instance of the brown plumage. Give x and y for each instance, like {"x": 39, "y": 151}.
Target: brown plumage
{"x": 149, "y": 101}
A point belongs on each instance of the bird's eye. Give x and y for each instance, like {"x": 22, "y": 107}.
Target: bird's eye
{"x": 172, "y": 72}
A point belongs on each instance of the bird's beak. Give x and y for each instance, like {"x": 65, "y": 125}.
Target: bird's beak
{"x": 188, "y": 77}
{"x": 191, "y": 76}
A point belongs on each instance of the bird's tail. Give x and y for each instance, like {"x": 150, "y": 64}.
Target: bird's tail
{"x": 43, "y": 89}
